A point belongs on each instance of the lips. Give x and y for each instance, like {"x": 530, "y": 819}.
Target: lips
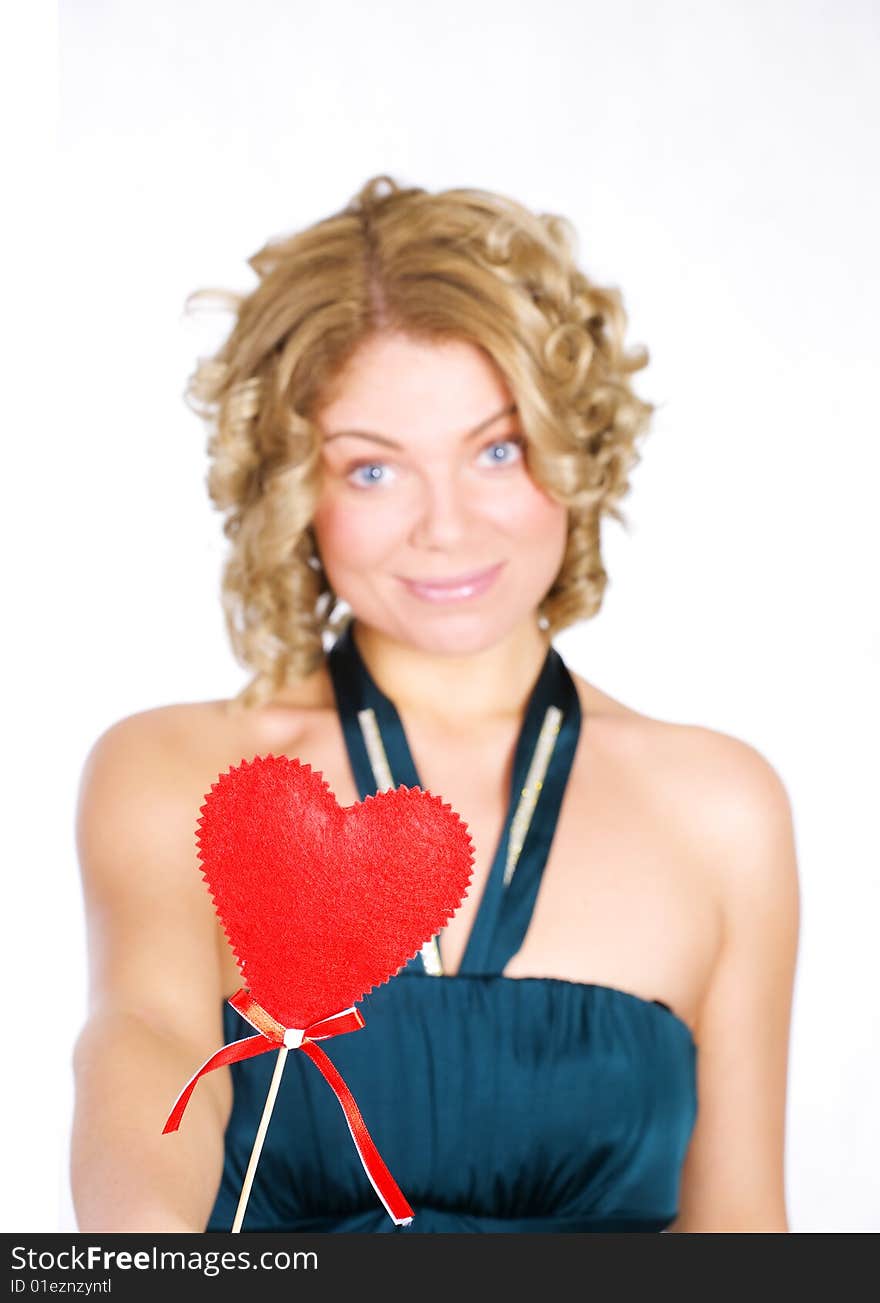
{"x": 458, "y": 588}
{"x": 456, "y": 581}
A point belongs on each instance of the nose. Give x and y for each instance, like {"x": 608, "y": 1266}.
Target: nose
{"x": 441, "y": 515}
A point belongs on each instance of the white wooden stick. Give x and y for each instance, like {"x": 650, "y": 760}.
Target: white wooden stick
{"x": 258, "y": 1142}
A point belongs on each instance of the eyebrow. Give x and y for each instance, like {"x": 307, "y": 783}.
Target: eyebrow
{"x": 381, "y": 438}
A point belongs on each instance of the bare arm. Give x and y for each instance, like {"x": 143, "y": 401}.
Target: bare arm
{"x": 155, "y": 991}
{"x": 733, "y": 1177}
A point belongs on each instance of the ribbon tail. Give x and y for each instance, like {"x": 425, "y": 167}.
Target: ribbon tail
{"x": 231, "y": 1053}
{"x": 380, "y": 1178}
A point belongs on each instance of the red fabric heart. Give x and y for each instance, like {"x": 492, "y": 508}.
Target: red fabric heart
{"x": 320, "y": 902}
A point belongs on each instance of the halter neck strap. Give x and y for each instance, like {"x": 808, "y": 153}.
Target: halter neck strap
{"x": 380, "y": 757}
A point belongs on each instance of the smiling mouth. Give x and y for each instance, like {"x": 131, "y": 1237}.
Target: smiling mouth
{"x": 456, "y": 588}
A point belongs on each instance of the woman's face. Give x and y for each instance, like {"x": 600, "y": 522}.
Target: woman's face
{"x": 433, "y": 488}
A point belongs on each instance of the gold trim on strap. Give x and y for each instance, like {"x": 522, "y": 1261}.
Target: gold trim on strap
{"x": 528, "y": 797}
{"x": 375, "y": 749}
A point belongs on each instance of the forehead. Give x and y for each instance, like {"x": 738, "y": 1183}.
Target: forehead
{"x": 397, "y": 385}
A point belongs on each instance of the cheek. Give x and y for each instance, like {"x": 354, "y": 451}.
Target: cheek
{"x": 346, "y": 532}
{"x": 538, "y": 522}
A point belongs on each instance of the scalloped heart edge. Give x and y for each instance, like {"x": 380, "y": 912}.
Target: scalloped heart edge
{"x": 371, "y": 796}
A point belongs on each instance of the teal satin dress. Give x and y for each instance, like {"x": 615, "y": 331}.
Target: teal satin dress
{"x": 499, "y": 1104}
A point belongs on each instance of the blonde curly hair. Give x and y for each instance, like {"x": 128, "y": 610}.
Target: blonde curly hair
{"x": 461, "y": 264}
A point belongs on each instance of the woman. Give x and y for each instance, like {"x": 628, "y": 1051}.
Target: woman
{"x": 421, "y": 415}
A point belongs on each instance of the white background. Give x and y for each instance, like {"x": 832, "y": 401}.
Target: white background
{"x": 719, "y": 163}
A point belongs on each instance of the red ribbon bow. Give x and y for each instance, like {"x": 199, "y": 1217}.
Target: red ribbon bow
{"x": 272, "y": 1037}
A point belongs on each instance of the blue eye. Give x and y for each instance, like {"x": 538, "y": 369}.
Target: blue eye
{"x": 373, "y": 476}
{"x": 497, "y": 460}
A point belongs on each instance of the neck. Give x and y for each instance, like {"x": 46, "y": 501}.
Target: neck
{"x": 470, "y": 686}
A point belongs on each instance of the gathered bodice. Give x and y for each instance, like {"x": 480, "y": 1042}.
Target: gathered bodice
{"x": 499, "y": 1104}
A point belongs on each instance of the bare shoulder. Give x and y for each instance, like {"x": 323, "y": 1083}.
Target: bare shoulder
{"x": 722, "y": 793}
{"x": 179, "y": 725}
{"x": 190, "y": 734}
{"x": 182, "y": 746}
{"x": 151, "y": 926}
{"x": 139, "y": 748}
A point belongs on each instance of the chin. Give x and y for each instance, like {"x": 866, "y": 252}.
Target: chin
{"x": 458, "y": 633}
